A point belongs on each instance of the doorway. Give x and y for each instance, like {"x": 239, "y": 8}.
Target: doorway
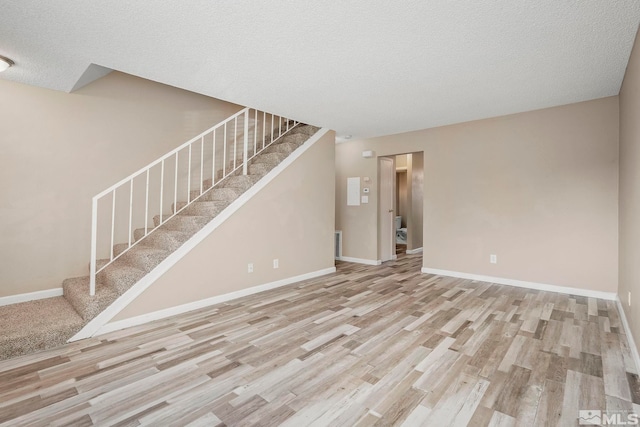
{"x": 403, "y": 187}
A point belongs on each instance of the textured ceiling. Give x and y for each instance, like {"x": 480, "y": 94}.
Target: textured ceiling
{"x": 360, "y": 67}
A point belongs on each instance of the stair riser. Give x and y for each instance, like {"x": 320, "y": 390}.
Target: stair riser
{"x": 144, "y": 260}
{"x": 139, "y": 233}
{"x": 295, "y": 138}
{"x": 166, "y": 239}
{"x": 306, "y": 130}
{"x": 76, "y": 291}
{"x": 209, "y": 209}
{"x": 222, "y": 194}
{"x": 186, "y": 224}
{"x": 120, "y": 279}
{"x": 285, "y": 148}
{"x": 243, "y": 182}
{"x": 259, "y": 169}
{"x": 273, "y": 158}
{"x": 119, "y": 248}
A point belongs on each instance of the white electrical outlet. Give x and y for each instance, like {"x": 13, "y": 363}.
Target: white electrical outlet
{"x": 493, "y": 259}
{"x": 250, "y": 268}
{"x": 629, "y": 298}
{"x": 275, "y": 263}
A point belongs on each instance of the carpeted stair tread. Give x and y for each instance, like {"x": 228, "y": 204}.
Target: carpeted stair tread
{"x": 223, "y": 194}
{"x": 163, "y": 238}
{"x": 295, "y": 138}
{"x": 243, "y": 182}
{"x": 118, "y": 248}
{"x": 205, "y": 208}
{"x": 219, "y": 181}
{"x": 139, "y": 233}
{"x": 272, "y": 158}
{"x": 308, "y": 130}
{"x": 76, "y": 291}
{"x": 144, "y": 257}
{"x": 38, "y": 325}
{"x": 282, "y": 147}
{"x": 120, "y": 276}
{"x": 260, "y": 168}
{"x": 187, "y": 224}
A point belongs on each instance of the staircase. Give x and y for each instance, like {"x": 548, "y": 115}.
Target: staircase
{"x": 47, "y": 323}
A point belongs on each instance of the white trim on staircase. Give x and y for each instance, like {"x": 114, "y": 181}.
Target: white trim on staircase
{"x": 91, "y": 328}
{"x": 31, "y": 296}
{"x": 360, "y": 260}
{"x": 414, "y": 251}
{"x": 611, "y": 296}
{"x": 627, "y": 331}
{"x": 172, "y": 311}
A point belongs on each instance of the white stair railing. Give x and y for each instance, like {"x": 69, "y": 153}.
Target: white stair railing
{"x": 209, "y": 157}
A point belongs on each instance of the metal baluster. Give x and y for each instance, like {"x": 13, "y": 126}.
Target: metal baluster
{"x": 161, "y": 189}
{"x": 189, "y": 177}
{"x": 264, "y": 128}
{"x": 201, "y": 163}
{"x": 94, "y": 243}
{"x": 146, "y": 205}
{"x": 255, "y": 135}
{"x": 130, "y": 210}
{"x": 235, "y": 140}
{"x": 213, "y": 160}
{"x": 113, "y": 220}
{"x": 245, "y": 154}
{"x": 175, "y": 185}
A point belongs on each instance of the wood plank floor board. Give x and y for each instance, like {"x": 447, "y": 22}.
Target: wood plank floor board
{"x": 368, "y": 345}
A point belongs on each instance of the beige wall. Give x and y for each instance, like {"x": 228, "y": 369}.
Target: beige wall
{"x": 630, "y": 191}
{"x": 291, "y": 219}
{"x": 538, "y": 189}
{"x": 359, "y": 224}
{"x": 58, "y": 150}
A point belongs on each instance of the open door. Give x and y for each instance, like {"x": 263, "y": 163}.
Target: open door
{"x": 386, "y": 214}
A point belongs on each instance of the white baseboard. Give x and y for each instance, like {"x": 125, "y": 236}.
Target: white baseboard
{"x": 196, "y": 305}
{"x": 627, "y": 331}
{"x": 91, "y": 328}
{"x": 414, "y": 251}
{"x": 31, "y": 296}
{"x": 611, "y": 296}
{"x": 360, "y": 260}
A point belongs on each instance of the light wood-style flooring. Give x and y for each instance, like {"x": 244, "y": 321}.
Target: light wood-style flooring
{"x": 366, "y": 346}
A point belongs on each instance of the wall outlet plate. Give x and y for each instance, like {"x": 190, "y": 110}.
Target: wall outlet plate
{"x": 493, "y": 259}
{"x": 276, "y": 263}
{"x": 250, "y": 268}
